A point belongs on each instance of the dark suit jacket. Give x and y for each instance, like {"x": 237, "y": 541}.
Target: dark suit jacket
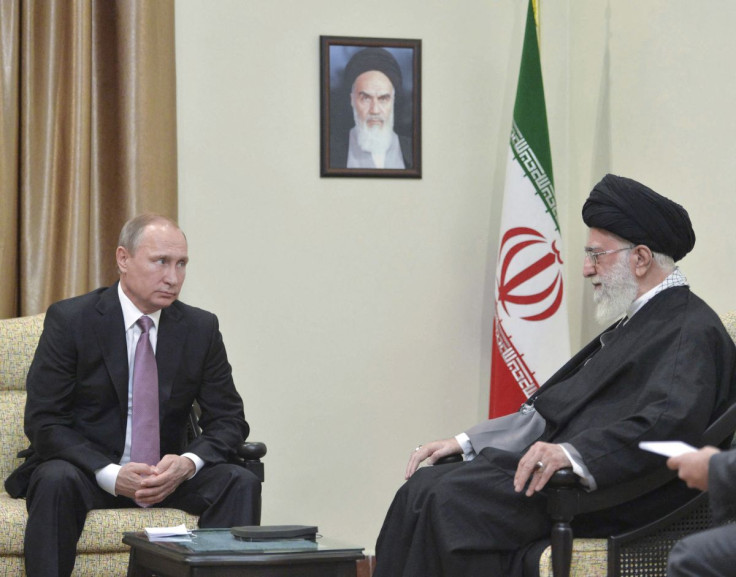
{"x": 722, "y": 486}
{"x": 78, "y": 386}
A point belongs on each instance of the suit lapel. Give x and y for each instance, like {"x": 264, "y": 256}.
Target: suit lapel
{"x": 109, "y": 328}
{"x": 172, "y": 334}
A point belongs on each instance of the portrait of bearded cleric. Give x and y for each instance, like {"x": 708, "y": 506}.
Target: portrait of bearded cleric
{"x": 370, "y": 109}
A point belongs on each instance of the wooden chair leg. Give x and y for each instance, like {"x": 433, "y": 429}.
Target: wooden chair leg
{"x": 561, "y": 541}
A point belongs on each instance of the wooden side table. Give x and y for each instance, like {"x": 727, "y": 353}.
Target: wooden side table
{"x": 216, "y": 553}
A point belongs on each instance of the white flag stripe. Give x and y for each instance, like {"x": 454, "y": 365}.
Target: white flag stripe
{"x": 543, "y": 344}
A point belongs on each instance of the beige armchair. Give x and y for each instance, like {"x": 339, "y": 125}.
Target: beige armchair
{"x": 101, "y": 551}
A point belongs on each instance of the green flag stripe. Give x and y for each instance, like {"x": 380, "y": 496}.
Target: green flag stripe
{"x": 530, "y": 113}
{"x": 527, "y": 159}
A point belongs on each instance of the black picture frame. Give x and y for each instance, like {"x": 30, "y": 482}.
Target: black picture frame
{"x": 338, "y": 139}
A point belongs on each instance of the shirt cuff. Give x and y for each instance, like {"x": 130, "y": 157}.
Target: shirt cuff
{"x": 578, "y": 467}
{"x": 466, "y": 446}
{"x": 198, "y": 463}
{"x": 107, "y": 477}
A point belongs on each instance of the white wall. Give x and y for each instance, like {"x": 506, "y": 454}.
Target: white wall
{"x": 357, "y": 312}
{"x": 652, "y": 95}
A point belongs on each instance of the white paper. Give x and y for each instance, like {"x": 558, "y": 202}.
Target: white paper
{"x": 667, "y": 448}
{"x": 178, "y": 533}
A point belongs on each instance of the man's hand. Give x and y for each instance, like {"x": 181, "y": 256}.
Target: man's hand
{"x": 432, "y": 451}
{"x": 148, "y": 485}
{"x": 172, "y": 471}
{"x": 693, "y": 467}
{"x": 130, "y": 477}
{"x": 538, "y": 465}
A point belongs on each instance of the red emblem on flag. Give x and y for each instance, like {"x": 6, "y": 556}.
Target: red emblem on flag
{"x": 530, "y": 283}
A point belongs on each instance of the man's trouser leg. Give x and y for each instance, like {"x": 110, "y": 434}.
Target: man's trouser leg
{"x": 711, "y": 553}
{"x": 59, "y": 496}
{"x": 223, "y": 495}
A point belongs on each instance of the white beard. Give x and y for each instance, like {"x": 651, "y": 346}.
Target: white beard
{"x": 374, "y": 139}
{"x": 617, "y": 291}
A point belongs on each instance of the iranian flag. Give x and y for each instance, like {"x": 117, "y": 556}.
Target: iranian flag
{"x": 530, "y": 330}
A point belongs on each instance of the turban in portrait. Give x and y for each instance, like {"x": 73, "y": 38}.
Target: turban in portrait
{"x": 636, "y": 213}
{"x": 373, "y": 59}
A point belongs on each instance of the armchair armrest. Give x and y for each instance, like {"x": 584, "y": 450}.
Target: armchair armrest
{"x": 565, "y": 479}
{"x": 251, "y": 453}
{"x": 563, "y": 492}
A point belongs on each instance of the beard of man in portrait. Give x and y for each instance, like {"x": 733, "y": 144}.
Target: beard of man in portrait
{"x": 372, "y": 99}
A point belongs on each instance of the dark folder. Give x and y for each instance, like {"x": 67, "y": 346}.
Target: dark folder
{"x": 274, "y": 532}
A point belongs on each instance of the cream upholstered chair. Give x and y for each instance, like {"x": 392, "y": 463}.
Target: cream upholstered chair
{"x": 643, "y": 551}
{"x": 101, "y": 551}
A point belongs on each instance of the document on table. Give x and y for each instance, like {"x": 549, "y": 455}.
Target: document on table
{"x": 667, "y": 448}
{"x": 178, "y": 533}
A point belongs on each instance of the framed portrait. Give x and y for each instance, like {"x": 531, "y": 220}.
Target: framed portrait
{"x": 371, "y": 123}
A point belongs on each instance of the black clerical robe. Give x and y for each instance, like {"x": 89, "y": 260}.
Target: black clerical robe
{"x": 664, "y": 375}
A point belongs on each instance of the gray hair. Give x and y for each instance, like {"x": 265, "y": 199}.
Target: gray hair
{"x": 664, "y": 261}
{"x": 130, "y": 235}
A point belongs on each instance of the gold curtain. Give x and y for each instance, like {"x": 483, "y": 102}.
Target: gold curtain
{"x": 88, "y": 106}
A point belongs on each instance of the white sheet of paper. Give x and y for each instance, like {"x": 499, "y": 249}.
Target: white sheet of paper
{"x": 179, "y": 532}
{"x": 667, "y": 448}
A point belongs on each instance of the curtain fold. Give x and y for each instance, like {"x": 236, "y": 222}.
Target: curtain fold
{"x": 9, "y": 126}
{"x": 95, "y": 140}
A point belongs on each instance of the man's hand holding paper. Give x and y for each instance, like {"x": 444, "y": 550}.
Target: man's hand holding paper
{"x": 692, "y": 467}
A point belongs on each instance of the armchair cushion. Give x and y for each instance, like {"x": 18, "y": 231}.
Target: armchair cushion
{"x": 589, "y": 559}
{"x": 103, "y": 528}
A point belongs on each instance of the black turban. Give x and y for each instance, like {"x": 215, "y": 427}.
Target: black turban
{"x": 373, "y": 59}
{"x": 638, "y": 214}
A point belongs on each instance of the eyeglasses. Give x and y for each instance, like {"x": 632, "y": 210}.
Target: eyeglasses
{"x": 593, "y": 255}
